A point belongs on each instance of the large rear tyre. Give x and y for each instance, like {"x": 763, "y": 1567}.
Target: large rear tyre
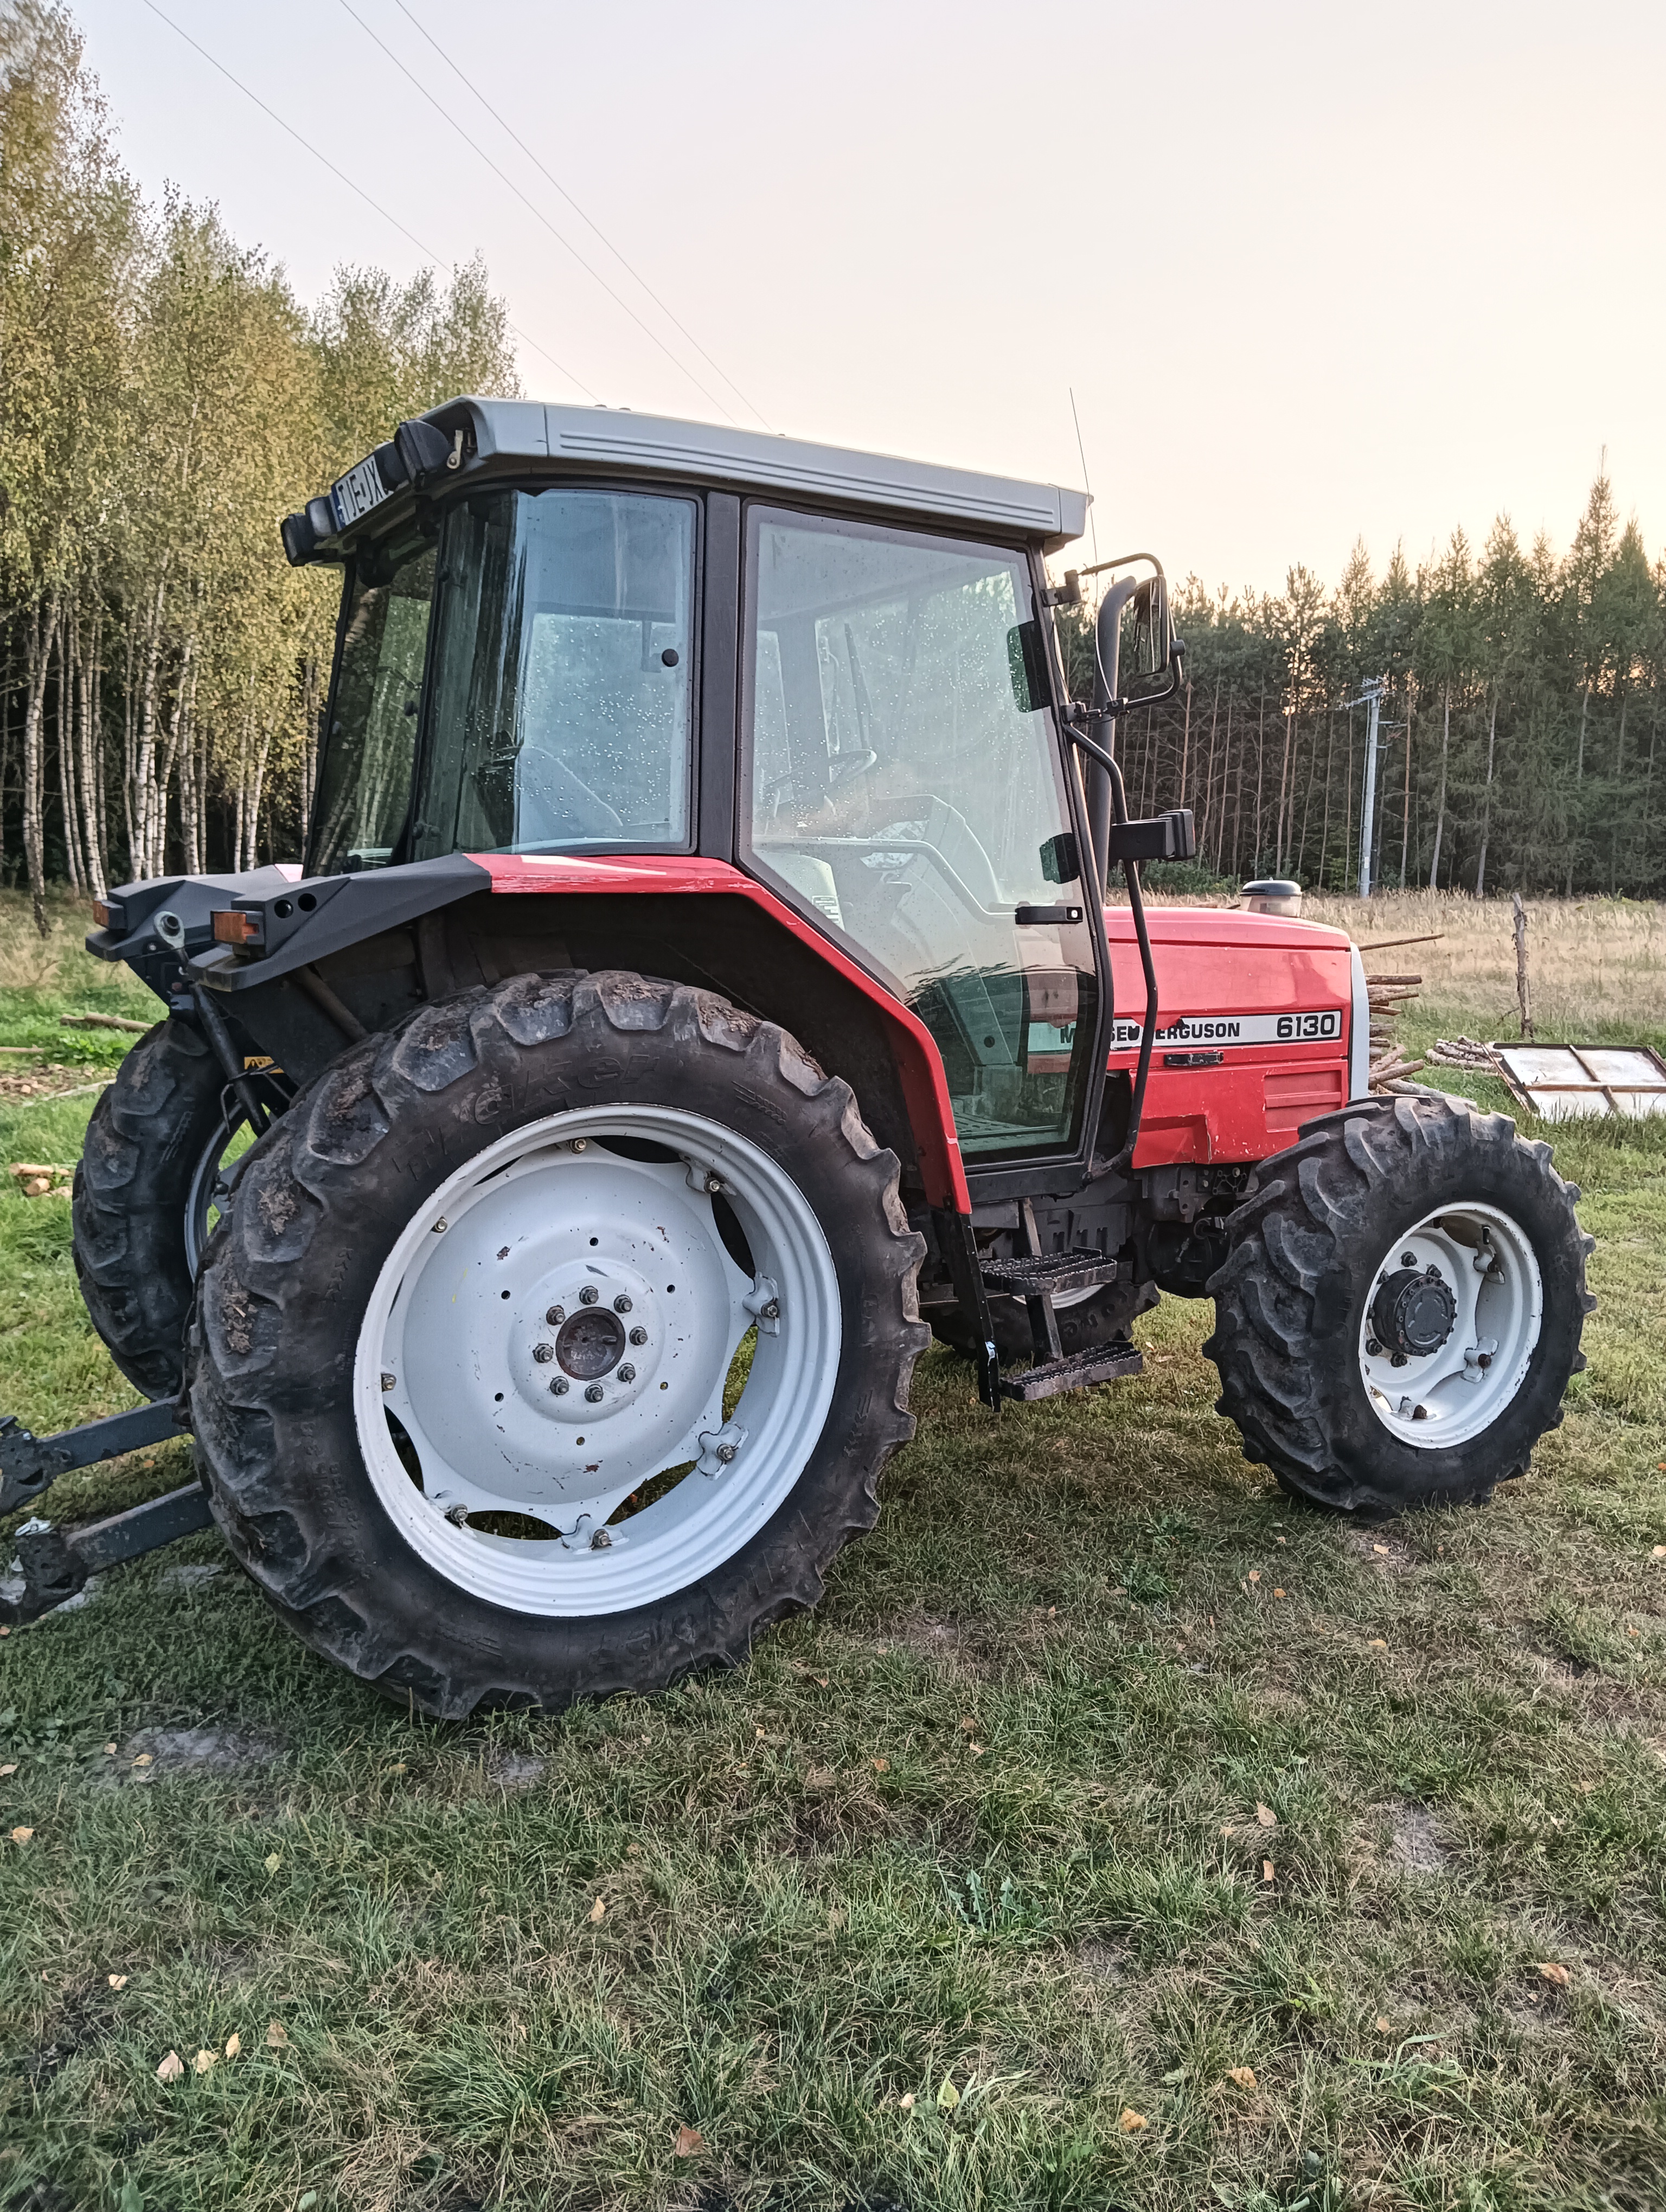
{"x": 147, "y": 1190}
{"x": 1401, "y": 1311}
{"x": 556, "y": 1344}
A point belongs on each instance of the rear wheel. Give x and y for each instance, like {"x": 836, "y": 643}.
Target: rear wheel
{"x": 1402, "y": 1308}
{"x": 556, "y": 1344}
{"x": 150, "y": 1188}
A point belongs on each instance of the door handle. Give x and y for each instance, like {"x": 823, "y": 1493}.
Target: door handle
{"x": 1027, "y": 916}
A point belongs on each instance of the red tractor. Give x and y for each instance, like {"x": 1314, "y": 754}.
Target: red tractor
{"x": 699, "y": 989}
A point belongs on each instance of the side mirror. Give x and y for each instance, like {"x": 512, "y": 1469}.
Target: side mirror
{"x": 1147, "y": 637}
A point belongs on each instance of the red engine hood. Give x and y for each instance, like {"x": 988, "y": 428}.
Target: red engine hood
{"x": 1254, "y": 1017}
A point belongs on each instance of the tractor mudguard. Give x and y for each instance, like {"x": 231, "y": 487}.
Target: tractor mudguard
{"x": 294, "y": 922}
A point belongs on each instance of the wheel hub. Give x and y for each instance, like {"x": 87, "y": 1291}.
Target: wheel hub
{"x": 1412, "y": 1313}
{"x": 591, "y": 1343}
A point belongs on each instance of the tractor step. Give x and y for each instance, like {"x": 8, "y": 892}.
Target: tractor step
{"x": 1101, "y": 1363}
{"x": 1048, "y": 1274}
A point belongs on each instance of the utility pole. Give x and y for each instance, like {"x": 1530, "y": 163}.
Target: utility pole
{"x": 1371, "y": 696}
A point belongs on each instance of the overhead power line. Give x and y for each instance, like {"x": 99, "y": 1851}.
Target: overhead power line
{"x": 589, "y": 220}
{"x": 503, "y": 176}
{"x": 427, "y": 251}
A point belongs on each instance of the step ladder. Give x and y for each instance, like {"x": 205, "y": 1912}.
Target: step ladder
{"x": 1038, "y": 1278}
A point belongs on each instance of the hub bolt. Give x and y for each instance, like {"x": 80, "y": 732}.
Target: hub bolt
{"x": 622, "y": 1303}
{"x": 601, "y": 1541}
{"x": 560, "y": 1387}
{"x": 389, "y": 1382}
{"x": 556, "y": 1316}
{"x": 544, "y": 1353}
{"x": 457, "y": 1514}
{"x": 593, "y": 1393}
{"x": 588, "y": 1295}
{"x": 639, "y": 1335}
{"x": 627, "y": 1373}
{"x": 578, "y": 1144}
{"x": 726, "y": 1453}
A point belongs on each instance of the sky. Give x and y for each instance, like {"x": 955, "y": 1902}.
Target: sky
{"x": 1312, "y": 273}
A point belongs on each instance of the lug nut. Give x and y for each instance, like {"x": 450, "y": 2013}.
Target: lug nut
{"x": 389, "y": 1382}
{"x": 1398, "y": 1359}
{"x": 544, "y": 1353}
{"x": 771, "y": 1312}
{"x": 556, "y": 1316}
{"x": 622, "y": 1303}
{"x": 1373, "y": 1349}
{"x": 560, "y": 1387}
{"x": 1408, "y": 1258}
{"x": 627, "y": 1373}
{"x": 588, "y": 1295}
{"x": 713, "y": 1184}
{"x": 639, "y": 1335}
{"x": 726, "y": 1453}
{"x": 578, "y": 1144}
{"x": 593, "y": 1393}
{"x": 457, "y": 1514}
{"x": 601, "y": 1541}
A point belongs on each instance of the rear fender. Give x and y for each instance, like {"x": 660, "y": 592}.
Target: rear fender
{"x": 383, "y": 941}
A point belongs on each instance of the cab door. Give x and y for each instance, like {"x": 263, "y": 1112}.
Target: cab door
{"x": 904, "y": 786}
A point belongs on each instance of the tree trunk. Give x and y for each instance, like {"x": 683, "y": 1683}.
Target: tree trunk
{"x": 41, "y": 637}
{"x": 1284, "y": 778}
{"x": 1347, "y": 812}
{"x": 1440, "y": 803}
{"x": 1406, "y": 812}
{"x": 1619, "y": 771}
{"x": 260, "y": 759}
{"x": 1578, "y": 779}
{"x": 1487, "y": 797}
{"x": 64, "y": 720}
{"x": 144, "y": 795}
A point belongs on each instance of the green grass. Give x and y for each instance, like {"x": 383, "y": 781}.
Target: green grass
{"x": 989, "y": 1819}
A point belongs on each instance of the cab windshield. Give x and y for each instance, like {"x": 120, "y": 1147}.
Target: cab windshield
{"x": 560, "y": 685}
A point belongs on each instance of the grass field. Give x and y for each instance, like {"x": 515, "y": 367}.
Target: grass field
{"x": 1115, "y": 1835}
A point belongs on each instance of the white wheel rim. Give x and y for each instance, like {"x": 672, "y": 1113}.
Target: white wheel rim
{"x": 1450, "y": 1394}
{"x": 458, "y": 1345}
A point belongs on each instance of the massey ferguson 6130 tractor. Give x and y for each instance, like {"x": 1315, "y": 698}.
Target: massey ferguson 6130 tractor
{"x": 698, "y": 990}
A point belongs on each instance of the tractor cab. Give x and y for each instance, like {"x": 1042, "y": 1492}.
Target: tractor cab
{"x": 572, "y": 636}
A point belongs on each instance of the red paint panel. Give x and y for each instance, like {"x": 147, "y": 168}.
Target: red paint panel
{"x": 1211, "y": 961}
{"x": 919, "y": 1064}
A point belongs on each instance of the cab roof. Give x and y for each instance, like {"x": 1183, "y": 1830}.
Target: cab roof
{"x": 617, "y": 439}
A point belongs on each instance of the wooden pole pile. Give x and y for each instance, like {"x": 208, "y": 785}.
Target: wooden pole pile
{"x": 1389, "y": 1061}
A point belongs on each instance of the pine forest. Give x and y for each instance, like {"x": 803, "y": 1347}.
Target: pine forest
{"x": 165, "y": 398}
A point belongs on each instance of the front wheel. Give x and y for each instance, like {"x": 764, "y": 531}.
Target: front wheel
{"x": 1401, "y": 1311}
{"x": 152, "y": 1178}
{"x": 556, "y": 1343}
